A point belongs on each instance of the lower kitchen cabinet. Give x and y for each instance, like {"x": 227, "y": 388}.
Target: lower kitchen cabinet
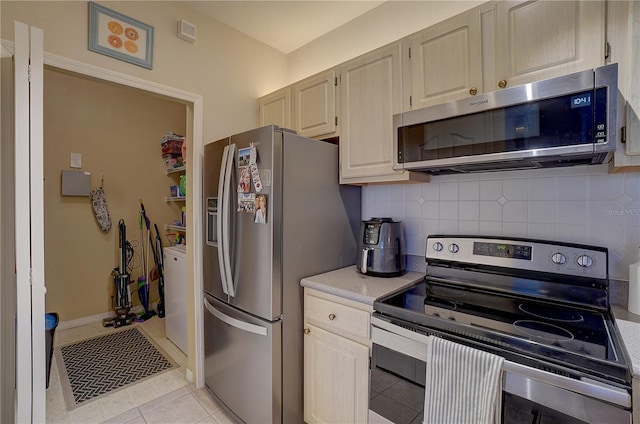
{"x": 337, "y": 347}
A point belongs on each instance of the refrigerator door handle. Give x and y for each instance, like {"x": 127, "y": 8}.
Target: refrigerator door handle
{"x": 241, "y": 325}
{"x": 226, "y": 212}
{"x": 219, "y": 224}
{"x": 224, "y": 191}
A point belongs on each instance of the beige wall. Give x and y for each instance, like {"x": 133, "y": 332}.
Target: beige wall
{"x": 230, "y": 70}
{"x": 118, "y": 131}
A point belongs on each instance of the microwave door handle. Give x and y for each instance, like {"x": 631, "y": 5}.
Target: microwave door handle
{"x": 226, "y": 216}
{"x": 241, "y": 325}
{"x": 219, "y": 224}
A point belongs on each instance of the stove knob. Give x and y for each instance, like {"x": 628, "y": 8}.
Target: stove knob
{"x": 585, "y": 261}
{"x": 453, "y": 248}
{"x": 437, "y": 246}
{"x": 558, "y": 258}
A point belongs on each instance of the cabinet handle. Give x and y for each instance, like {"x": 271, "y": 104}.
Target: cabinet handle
{"x": 306, "y": 330}
{"x": 473, "y": 91}
{"x": 332, "y": 317}
{"x": 502, "y": 83}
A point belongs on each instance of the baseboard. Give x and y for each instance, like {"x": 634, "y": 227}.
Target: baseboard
{"x": 64, "y": 325}
{"x": 189, "y": 375}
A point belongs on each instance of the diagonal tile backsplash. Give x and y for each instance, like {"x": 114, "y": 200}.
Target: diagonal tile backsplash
{"x": 582, "y": 204}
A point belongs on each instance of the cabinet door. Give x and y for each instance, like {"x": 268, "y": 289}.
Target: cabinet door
{"x": 633, "y": 96}
{"x": 446, "y": 61}
{"x": 370, "y": 90}
{"x": 336, "y": 378}
{"x": 314, "y": 102}
{"x": 625, "y": 39}
{"x": 275, "y": 108}
{"x": 541, "y": 39}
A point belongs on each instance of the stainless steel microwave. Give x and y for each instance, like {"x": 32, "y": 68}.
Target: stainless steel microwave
{"x": 562, "y": 121}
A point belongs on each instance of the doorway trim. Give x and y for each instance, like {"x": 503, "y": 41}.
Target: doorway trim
{"x": 194, "y": 118}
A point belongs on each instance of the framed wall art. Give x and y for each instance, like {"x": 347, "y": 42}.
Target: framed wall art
{"x": 119, "y": 36}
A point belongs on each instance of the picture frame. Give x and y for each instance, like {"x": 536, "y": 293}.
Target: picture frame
{"x": 121, "y": 37}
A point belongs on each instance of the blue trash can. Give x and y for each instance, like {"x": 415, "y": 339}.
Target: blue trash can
{"x": 50, "y": 324}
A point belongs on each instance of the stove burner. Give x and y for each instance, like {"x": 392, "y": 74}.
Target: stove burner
{"x": 440, "y": 303}
{"x": 550, "y": 312}
{"x": 542, "y": 330}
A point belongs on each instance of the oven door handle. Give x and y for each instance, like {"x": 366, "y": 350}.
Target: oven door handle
{"x": 589, "y": 388}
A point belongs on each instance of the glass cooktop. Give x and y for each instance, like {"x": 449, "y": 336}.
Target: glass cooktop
{"x": 575, "y": 337}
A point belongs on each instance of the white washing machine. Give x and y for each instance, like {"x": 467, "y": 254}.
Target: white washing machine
{"x": 175, "y": 295}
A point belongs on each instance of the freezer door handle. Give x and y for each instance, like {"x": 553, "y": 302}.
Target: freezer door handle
{"x": 224, "y": 191}
{"x": 245, "y": 326}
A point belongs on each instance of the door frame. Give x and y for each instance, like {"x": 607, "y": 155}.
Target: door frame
{"x": 194, "y": 118}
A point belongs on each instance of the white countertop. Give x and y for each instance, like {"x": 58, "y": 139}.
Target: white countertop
{"x": 629, "y": 326}
{"x": 348, "y": 283}
{"x": 630, "y": 332}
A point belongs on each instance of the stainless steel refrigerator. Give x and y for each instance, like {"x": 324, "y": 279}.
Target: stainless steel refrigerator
{"x": 274, "y": 214}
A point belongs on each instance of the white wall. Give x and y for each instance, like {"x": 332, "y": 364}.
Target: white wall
{"x": 229, "y": 69}
{"x": 580, "y": 204}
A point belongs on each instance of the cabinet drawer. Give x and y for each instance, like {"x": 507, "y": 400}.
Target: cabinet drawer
{"x": 338, "y": 318}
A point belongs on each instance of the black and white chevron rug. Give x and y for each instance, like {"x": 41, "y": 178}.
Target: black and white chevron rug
{"x": 102, "y": 364}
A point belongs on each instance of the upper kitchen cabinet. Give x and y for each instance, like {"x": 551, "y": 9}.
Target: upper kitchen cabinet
{"x": 502, "y": 44}
{"x": 275, "y": 108}
{"x": 444, "y": 62}
{"x": 371, "y": 93}
{"x": 623, "y": 33}
{"x": 314, "y": 106}
{"x": 536, "y": 40}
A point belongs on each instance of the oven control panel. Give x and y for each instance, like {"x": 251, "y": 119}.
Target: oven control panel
{"x": 527, "y": 254}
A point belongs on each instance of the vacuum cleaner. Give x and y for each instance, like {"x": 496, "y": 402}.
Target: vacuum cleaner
{"x": 144, "y": 280}
{"x": 159, "y": 260}
{"x": 121, "y": 278}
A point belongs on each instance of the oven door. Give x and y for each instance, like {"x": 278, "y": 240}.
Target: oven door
{"x": 398, "y": 369}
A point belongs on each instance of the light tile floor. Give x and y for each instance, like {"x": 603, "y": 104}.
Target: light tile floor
{"x": 165, "y": 398}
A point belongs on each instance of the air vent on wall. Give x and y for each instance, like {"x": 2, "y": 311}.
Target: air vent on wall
{"x": 186, "y": 31}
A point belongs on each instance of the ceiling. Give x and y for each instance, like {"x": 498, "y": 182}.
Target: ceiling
{"x": 284, "y": 25}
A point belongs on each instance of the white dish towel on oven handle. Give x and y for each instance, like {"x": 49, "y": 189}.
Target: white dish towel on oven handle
{"x": 463, "y": 385}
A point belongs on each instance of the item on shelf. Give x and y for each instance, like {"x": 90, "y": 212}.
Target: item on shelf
{"x": 175, "y": 190}
{"x": 172, "y": 161}
{"x": 171, "y": 143}
{"x": 183, "y": 185}
{"x": 172, "y": 149}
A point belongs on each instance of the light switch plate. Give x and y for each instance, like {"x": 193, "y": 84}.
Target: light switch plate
{"x": 76, "y": 160}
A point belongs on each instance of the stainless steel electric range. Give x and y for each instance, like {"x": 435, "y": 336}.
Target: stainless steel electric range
{"x": 543, "y": 306}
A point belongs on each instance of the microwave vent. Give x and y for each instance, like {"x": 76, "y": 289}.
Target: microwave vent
{"x": 521, "y": 164}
